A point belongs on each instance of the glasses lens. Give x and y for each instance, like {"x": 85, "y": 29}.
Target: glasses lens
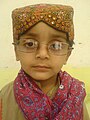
{"x": 28, "y": 45}
{"x": 58, "y": 48}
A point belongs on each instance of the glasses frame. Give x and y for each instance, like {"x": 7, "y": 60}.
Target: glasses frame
{"x": 69, "y": 48}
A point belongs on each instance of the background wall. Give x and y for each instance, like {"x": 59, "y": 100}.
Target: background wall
{"x": 79, "y": 62}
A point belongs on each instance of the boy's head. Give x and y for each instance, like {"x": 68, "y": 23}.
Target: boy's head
{"x": 43, "y": 36}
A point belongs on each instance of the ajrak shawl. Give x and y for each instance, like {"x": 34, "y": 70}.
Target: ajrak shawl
{"x": 67, "y": 103}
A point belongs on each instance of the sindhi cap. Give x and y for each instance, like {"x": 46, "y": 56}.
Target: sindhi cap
{"x": 57, "y": 16}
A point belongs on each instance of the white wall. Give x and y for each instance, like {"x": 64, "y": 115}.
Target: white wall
{"x": 81, "y": 53}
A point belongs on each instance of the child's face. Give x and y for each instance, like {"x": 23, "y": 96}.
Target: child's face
{"x": 42, "y": 64}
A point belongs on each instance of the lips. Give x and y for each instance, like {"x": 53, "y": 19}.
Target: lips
{"x": 41, "y": 67}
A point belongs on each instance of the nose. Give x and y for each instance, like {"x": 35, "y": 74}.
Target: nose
{"x": 42, "y": 52}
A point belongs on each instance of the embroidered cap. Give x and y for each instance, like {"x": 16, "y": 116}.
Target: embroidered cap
{"x": 57, "y": 16}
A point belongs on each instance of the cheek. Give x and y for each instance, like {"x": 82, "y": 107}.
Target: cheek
{"x": 25, "y": 59}
{"x": 58, "y": 63}
{"x": 59, "y": 60}
{"x": 25, "y": 64}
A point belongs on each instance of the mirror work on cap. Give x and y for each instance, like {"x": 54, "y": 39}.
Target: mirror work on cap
{"x": 57, "y": 16}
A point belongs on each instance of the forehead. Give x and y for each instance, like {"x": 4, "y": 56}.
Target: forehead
{"x": 41, "y": 29}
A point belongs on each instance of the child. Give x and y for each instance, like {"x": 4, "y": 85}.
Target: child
{"x": 43, "y": 38}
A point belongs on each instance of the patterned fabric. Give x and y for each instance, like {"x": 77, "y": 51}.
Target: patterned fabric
{"x": 59, "y": 17}
{"x": 35, "y": 105}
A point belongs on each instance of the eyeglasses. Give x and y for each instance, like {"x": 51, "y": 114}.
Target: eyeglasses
{"x": 54, "y": 47}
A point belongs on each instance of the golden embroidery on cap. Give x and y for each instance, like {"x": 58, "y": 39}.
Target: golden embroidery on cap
{"x": 58, "y": 16}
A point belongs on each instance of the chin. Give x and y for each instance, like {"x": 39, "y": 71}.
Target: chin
{"x": 41, "y": 76}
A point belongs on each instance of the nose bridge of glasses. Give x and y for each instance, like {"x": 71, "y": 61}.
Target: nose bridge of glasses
{"x": 43, "y": 46}
{"x": 43, "y": 43}
{"x": 42, "y": 50}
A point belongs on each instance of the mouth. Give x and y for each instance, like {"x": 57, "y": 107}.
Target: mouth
{"x": 41, "y": 67}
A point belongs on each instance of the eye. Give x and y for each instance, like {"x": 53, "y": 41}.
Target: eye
{"x": 30, "y": 43}
{"x": 56, "y": 45}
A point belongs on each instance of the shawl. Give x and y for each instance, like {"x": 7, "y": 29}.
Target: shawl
{"x": 67, "y": 104}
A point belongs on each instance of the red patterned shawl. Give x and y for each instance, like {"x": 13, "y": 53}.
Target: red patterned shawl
{"x": 35, "y": 105}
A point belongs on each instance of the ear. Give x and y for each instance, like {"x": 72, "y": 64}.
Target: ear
{"x": 67, "y": 56}
{"x": 16, "y": 54}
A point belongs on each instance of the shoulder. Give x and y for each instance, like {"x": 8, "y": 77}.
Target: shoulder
{"x": 7, "y": 94}
{"x": 71, "y": 80}
{"x": 77, "y": 92}
{"x": 78, "y": 88}
{"x": 74, "y": 86}
{"x": 6, "y": 90}
{"x": 8, "y": 104}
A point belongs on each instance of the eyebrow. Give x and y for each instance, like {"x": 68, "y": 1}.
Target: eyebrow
{"x": 32, "y": 34}
{"x": 52, "y": 35}
{"x": 58, "y": 36}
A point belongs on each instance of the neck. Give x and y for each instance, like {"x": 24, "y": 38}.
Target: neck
{"x": 47, "y": 85}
